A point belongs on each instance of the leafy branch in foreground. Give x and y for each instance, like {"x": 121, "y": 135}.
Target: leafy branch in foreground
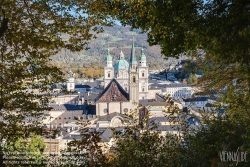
{"x": 31, "y": 32}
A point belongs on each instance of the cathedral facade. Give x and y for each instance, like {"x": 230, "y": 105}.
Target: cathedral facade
{"x": 132, "y": 75}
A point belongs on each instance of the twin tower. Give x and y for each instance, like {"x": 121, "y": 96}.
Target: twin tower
{"x": 132, "y": 76}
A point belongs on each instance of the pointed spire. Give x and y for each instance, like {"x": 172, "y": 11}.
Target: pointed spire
{"x": 142, "y": 53}
{"x": 108, "y": 57}
{"x": 121, "y": 55}
{"x": 70, "y": 73}
{"x": 132, "y": 56}
{"x": 142, "y": 56}
{"x": 108, "y": 49}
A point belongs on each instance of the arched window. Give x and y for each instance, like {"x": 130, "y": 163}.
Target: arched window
{"x": 142, "y": 74}
{"x": 108, "y": 74}
{"x": 134, "y": 79}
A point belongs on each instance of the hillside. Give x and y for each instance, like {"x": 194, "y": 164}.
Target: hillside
{"x": 119, "y": 38}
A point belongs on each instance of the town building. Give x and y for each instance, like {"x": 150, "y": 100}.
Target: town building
{"x": 196, "y": 101}
{"x": 178, "y": 90}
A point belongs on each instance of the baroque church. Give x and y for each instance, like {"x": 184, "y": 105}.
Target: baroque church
{"x": 125, "y": 84}
{"x": 124, "y": 72}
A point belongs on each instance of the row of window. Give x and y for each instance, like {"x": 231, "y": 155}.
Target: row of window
{"x": 181, "y": 95}
{"x": 59, "y": 118}
{"x": 198, "y": 102}
{"x": 180, "y": 91}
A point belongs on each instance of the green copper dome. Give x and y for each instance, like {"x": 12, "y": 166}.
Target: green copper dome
{"x": 121, "y": 65}
{"x": 142, "y": 57}
{"x": 108, "y": 58}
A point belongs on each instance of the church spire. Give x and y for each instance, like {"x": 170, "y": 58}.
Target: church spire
{"x": 121, "y": 55}
{"x": 142, "y": 53}
{"x": 108, "y": 49}
{"x": 142, "y": 58}
{"x": 108, "y": 59}
{"x": 133, "y": 61}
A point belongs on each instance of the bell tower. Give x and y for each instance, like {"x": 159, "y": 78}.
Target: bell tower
{"x": 71, "y": 81}
{"x": 143, "y": 76}
{"x": 108, "y": 69}
{"x": 133, "y": 77}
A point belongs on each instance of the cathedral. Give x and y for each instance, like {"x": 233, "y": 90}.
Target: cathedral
{"x": 132, "y": 76}
{"x": 125, "y": 84}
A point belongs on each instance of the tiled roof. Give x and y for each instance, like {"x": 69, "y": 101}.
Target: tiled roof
{"x": 91, "y": 97}
{"x": 196, "y": 99}
{"x": 92, "y": 84}
{"x": 82, "y": 86}
{"x": 113, "y": 93}
{"x": 64, "y": 107}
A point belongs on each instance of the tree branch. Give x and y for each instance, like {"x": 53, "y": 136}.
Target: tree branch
{"x": 4, "y": 24}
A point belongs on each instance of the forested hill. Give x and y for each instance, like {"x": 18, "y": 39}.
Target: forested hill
{"x": 118, "y": 38}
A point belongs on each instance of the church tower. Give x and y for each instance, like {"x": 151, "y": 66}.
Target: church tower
{"x": 143, "y": 76}
{"x": 133, "y": 77}
{"x": 108, "y": 70}
{"x": 71, "y": 81}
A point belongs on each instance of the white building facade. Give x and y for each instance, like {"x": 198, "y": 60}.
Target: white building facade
{"x": 178, "y": 91}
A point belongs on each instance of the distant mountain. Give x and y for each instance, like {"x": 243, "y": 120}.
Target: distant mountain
{"x": 118, "y": 38}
